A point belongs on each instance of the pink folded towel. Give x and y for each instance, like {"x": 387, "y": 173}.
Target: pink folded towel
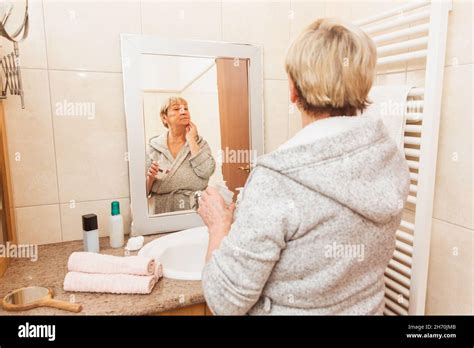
{"x": 92, "y": 272}
{"x": 107, "y": 264}
{"x": 109, "y": 283}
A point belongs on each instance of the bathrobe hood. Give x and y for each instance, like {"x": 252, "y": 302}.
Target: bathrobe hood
{"x": 358, "y": 167}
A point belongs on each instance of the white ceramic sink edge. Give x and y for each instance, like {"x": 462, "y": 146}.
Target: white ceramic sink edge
{"x": 182, "y": 253}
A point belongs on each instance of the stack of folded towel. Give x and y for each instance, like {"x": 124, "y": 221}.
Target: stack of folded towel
{"x": 92, "y": 272}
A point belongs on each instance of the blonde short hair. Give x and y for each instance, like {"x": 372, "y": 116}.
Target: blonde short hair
{"x": 332, "y": 64}
{"x": 167, "y": 104}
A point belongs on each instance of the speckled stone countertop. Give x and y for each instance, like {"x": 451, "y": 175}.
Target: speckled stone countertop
{"x": 51, "y": 267}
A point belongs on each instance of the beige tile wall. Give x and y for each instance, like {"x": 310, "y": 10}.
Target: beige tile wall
{"x": 64, "y": 166}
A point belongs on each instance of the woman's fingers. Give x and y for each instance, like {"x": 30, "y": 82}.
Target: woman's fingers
{"x": 153, "y": 170}
{"x": 214, "y": 212}
{"x": 211, "y": 191}
{"x": 207, "y": 202}
{"x": 216, "y": 196}
{"x": 204, "y": 196}
{"x": 203, "y": 210}
{"x": 212, "y": 195}
{"x": 206, "y": 211}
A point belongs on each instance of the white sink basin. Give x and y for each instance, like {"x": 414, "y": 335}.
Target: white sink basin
{"x": 182, "y": 254}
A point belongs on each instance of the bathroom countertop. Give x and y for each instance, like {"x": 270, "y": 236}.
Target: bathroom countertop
{"x": 51, "y": 267}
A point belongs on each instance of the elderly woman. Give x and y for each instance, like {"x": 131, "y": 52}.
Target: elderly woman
{"x": 180, "y": 158}
{"x": 315, "y": 227}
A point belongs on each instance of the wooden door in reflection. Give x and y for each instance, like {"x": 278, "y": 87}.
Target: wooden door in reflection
{"x": 232, "y": 84}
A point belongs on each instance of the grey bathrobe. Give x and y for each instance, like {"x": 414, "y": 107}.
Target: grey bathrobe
{"x": 315, "y": 228}
{"x": 187, "y": 174}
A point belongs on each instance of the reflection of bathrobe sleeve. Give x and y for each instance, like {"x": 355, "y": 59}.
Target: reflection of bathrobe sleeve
{"x": 203, "y": 163}
{"x": 151, "y": 153}
{"x": 148, "y": 159}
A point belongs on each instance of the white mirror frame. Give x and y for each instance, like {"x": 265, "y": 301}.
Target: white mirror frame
{"x": 133, "y": 46}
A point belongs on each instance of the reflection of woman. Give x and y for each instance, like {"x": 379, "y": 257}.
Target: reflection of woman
{"x": 315, "y": 227}
{"x": 181, "y": 157}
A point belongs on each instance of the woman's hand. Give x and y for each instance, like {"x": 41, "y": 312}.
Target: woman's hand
{"x": 151, "y": 175}
{"x": 217, "y": 217}
{"x": 191, "y": 132}
{"x": 191, "y": 137}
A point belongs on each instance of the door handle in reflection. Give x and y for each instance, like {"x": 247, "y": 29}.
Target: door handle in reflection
{"x": 246, "y": 168}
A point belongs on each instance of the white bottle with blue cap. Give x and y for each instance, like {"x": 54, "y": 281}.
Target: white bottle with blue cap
{"x": 116, "y": 234}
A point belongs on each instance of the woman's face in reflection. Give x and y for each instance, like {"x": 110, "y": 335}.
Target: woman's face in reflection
{"x": 178, "y": 115}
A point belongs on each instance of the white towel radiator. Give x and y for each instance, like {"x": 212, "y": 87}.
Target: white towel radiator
{"x": 416, "y": 31}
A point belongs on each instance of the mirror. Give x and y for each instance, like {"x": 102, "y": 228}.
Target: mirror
{"x": 194, "y": 119}
{"x": 33, "y": 297}
{"x": 14, "y": 19}
{"x": 183, "y": 101}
